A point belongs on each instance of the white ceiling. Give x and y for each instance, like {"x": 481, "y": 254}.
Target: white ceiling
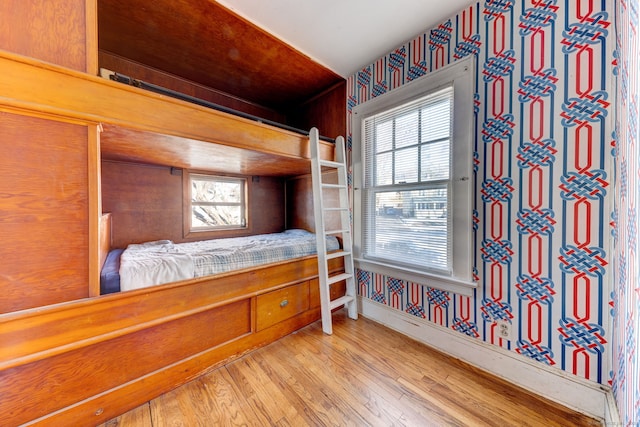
{"x": 345, "y": 35}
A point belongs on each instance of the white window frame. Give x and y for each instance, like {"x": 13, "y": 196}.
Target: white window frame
{"x": 460, "y": 75}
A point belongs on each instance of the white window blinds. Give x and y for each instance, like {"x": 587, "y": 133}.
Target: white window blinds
{"x": 413, "y": 180}
{"x": 407, "y": 183}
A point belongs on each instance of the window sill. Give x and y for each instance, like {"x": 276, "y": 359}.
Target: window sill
{"x": 445, "y": 283}
{"x": 217, "y": 234}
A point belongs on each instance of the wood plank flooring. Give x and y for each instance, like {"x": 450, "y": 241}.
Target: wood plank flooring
{"x": 363, "y": 374}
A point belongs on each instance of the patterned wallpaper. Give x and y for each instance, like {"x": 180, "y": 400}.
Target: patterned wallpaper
{"x": 544, "y": 169}
{"x": 625, "y": 341}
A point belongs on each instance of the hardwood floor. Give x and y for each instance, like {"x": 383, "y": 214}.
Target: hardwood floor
{"x": 363, "y": 374}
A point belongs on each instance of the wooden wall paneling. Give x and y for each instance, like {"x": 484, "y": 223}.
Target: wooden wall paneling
{"x": 266, "y": 204}
{"x": 91, "y": 14}
{"x": 86, "y": 361}
{"x": 300, "y": 212}
{"x": 45, "y": 212}
{"x": 146, "y": 203}
{"x": 157, "y": 77}
{"x": 326, "y": 111}
{"x": 53, "y": 31}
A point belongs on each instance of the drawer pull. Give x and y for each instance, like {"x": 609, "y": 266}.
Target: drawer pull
{"x": 284, "y": 303}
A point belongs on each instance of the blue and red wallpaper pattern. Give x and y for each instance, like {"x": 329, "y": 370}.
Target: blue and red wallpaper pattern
{"x": 544, "y": 160}
{"x": 625, "y": 307}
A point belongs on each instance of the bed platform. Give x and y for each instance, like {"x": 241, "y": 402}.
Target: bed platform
{"x": 159, "y": 262}
{"x": 158, "y": 129}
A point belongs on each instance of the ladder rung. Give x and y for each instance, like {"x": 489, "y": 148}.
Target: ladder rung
{"x": 333, "y": 186}
{"x": 338, "y": 278}
{"x": 331, "y": 164}
{"x": 341, "y": 301}
{"x": 337, "y": 231}
{"x": 338, "y": 254}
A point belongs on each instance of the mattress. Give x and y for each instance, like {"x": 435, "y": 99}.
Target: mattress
{"x": 110, "y": 273}
{"x": 162, "y": 261}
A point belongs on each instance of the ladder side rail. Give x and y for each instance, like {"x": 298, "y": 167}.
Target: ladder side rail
{"x": 321, "y": 244}
{"x": 346, "y": 225}
{"x": 345, "y": 215}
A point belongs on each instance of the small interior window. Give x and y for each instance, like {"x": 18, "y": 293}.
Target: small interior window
{"x": 216, "y": 202}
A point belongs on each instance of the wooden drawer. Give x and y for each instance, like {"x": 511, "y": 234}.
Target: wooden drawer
{"x": 276, "y": 306}
{"x": 335, "y": 291}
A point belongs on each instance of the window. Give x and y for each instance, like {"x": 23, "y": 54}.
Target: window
{"x": 412, "y": 151}
{"x": 216, "y": 202}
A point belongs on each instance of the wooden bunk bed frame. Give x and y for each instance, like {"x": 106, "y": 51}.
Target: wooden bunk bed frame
{"x": 89, "y": 360}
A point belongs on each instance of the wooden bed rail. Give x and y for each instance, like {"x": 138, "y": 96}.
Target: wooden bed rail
{"x": 38, "y": 88}
{"x": 59, "y": 328}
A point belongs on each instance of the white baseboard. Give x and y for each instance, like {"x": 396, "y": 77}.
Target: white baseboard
{"x": 611, "y": 413}
{"x": 573, "y": 392}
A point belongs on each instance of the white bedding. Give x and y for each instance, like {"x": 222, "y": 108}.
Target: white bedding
{"x": 162, "y": 261}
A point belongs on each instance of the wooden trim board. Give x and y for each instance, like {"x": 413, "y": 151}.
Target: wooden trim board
{"x": 40, "y": 88}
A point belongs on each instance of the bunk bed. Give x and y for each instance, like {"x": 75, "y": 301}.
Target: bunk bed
{"x": 198, "y": 322}
{"x": 163, "y": 261}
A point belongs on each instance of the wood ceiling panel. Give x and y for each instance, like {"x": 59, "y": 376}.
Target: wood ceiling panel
{"x": 204, "y": 42}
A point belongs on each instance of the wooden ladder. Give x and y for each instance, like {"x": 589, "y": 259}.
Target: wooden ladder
{"x": 320, "y": 190}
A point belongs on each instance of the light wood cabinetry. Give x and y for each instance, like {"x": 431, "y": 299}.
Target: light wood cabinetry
{"x": 276, "y": 306}
{"x": 88, "y": 361}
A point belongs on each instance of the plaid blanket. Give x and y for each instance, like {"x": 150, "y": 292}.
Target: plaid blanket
{"x": 154, "y": 263}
